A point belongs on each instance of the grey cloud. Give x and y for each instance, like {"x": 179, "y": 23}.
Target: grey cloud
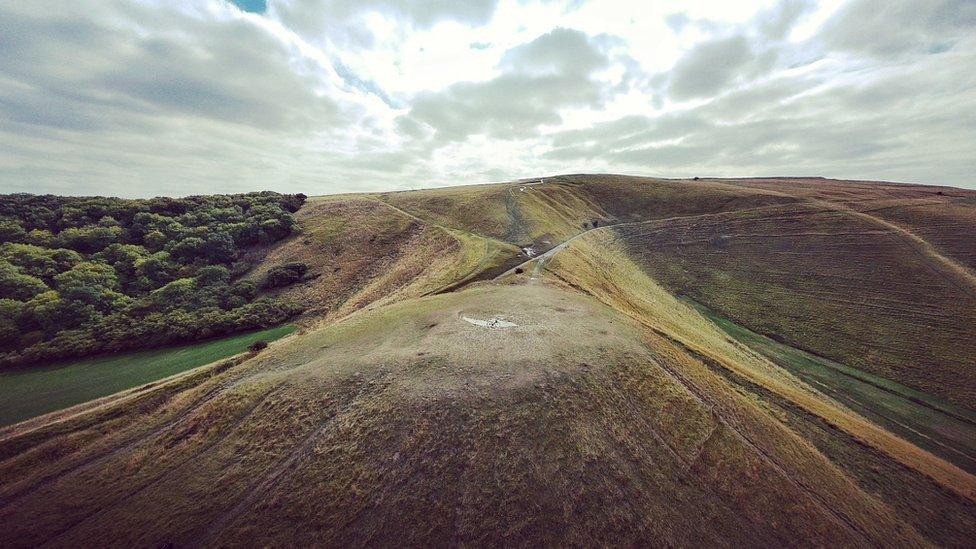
{"x": 710, "y": 67}
{"x": 561, "y": 51}
{"x": 915, "y": 124}
{"x": 539, "y": 79}
{"x": 775, "y": 24}
{"x": 757, "y": 99}
{"x": 509, "y": 106}
{"x": 101, "y": 67}
{"x": 134, "y": 99}
{"x": 737, "y": 56}
{"x": 619, "y": 137}
{"x": 885, "y": 28}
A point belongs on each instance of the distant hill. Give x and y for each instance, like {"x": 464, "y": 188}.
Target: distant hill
{"x": 573, "y": 360}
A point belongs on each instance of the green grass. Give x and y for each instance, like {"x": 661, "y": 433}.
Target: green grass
{"x": 930, "y": 422}
{"x": 31, "y": 391}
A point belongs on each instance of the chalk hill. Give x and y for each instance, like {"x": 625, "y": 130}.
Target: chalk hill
{"x": 576, "y": 360}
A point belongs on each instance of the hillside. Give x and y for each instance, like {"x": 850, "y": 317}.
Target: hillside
{"x": 574, "y": 360}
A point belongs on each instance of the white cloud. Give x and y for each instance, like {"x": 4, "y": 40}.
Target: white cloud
{"x": 144, "y": 97}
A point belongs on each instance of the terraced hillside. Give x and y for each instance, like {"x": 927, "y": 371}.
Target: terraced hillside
{"x": 579, "y": 360}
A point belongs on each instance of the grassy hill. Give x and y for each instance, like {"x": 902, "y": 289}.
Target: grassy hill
{"x": 578, "y": 361}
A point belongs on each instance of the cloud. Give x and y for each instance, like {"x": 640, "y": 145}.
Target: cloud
{"x": 710, "y": 67}
{"x": 776, "y": 23}
{"x": 141, "y": 99}
{"x": 100, "y": 66}
{"x": 341, "y": 21}
{"x": 885, "y": 28}
{"x": 677, "y": 21}
{"x": 509, "y": 106}
{"x": 559, "y": 52}
{"x": 538, "y": 79}
{"x": 146, "y": 97}
{"x": 872, "y": 125}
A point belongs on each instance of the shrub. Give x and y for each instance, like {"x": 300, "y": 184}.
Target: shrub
{"x": 283, "y": 275}
{"x": 258, "y": 346}
{"x": 16, "y": 285}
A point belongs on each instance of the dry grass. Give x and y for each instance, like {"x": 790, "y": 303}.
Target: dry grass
{"x": 405, "y": 425}
{"x": 628, "y": 419}
{"x": 828, "y": 281}
{"x": 363, "y": 252}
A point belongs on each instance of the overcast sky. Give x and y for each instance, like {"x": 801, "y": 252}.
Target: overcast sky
{"x": 162, "y": 97}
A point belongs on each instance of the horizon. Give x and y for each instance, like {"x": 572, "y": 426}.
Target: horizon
{"x": 139, "y": 98}
{"x": 516, "y": 180}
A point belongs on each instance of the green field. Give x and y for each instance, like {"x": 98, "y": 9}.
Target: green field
{"x": 27, "y": 392}
{"x": 930, "y": 422}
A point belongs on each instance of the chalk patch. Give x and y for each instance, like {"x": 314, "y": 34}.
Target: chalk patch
{"x": 490, "y": 323}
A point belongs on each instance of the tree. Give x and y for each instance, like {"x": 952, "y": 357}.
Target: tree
{"x": 44, "y": 263}
{"x": 212, "y": 275}
{"x": 284, "y": 275}
{"x": 188, "y": 249}
{"x": 11, "y": 231}
{"x": 11, "y": 312}
{"x": 123, "y": 258}
{"x": 51, "y": 313}
{"x": 133, "y": 273}
{"x": 16, "y": 285}
{"x": 92, "y": 284}
{"x": 155, "y": 240}
{"x": 219, "y": 247}
{"x": 40, "y": 237}
{"x": 157, "y": 268}
{"x": 90, "y": 239}
{"x": 176, "y": 294}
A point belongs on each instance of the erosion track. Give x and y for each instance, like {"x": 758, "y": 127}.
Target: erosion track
{"x": 957, "y": 274}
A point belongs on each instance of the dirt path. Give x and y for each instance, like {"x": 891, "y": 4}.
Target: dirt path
{"x": 482, "y": 265}
{"x": 544, "y": 258}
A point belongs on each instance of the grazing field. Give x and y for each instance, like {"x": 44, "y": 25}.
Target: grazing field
{"x": 940, "y": 427}
{"x": 27, "y": 392}
{"x": 828, "y": 281}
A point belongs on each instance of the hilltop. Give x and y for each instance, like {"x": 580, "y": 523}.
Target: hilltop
{"x": 571, "y": 360}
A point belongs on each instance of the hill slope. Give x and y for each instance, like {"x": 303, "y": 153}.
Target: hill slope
{"x": 575, "y": 400}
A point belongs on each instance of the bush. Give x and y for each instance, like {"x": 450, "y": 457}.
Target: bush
{"x": 258, "y": 346}
{"x": 16, "y": 285}
{"x": 283, "y": 275}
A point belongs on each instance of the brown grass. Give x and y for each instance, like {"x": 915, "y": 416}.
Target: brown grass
{"x": 825, "y": 280}
{"x": 611, "y": 414}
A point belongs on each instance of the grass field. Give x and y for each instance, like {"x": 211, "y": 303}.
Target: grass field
{"x": 930, "y": 422}
{"x": 825, "y": 280}
{"x": 29, "y": 392}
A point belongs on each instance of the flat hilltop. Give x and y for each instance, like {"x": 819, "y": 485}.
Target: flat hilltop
{"x": 572, "y": 360}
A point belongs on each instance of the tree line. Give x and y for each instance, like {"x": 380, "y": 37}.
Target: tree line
{"x": 86, "y": 275}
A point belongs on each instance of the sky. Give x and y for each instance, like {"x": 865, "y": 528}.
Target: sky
{"x": 141, "y": 98}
